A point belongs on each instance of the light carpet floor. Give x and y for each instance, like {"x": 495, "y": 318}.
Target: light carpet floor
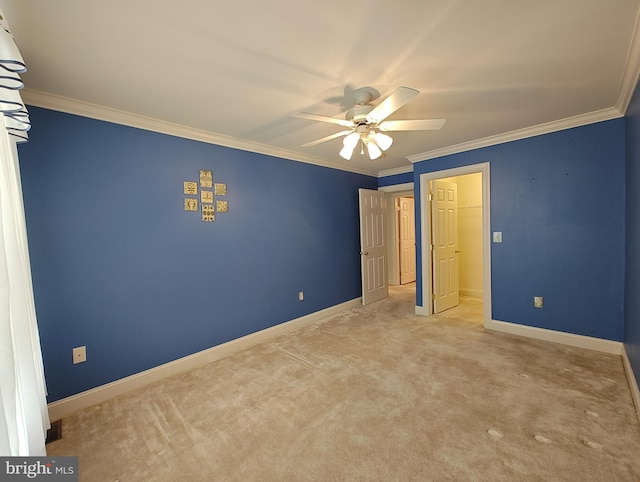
{"x": 374, "y": 393}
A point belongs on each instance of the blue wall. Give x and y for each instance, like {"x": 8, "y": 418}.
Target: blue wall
{"x": 559, "y": 201}
{"x": 395, "y": 179}
{"x": 632, "y": 274}
{"x": 120, "y": 267}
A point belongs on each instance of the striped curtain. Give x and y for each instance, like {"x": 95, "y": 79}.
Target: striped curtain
{"x": 24, "y": 419}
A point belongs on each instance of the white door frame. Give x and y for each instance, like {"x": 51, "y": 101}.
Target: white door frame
{"x": 405, "y": 188}
{"x": 425, "y": 235}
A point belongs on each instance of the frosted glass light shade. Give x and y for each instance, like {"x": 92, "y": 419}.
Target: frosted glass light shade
{"x": 351, "y": 141}
{"x": 383, "y": 140}
{"x": 374, "y": 150}
{"x": 346, "y": 153}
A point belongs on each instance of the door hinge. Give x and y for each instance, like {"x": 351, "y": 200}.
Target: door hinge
{"x": 430, "y": 197}
{"x": 433, "y": 296}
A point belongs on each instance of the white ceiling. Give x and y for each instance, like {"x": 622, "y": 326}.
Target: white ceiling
{"x": 233, "y": 72}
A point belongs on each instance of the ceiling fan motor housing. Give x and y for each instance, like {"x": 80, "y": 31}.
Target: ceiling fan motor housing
{"x": 358, "y": 115}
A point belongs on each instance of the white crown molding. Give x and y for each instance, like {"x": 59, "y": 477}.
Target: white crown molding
{"x": 547, "y": 128}
{"x": 94, "y": 111}
{"x": 631, "y": 71}
{"x": 62, "y": 408}
{"x": 85, "y": 109}
{"x": 394, "y": 171}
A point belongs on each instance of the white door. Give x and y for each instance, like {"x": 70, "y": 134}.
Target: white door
{"x": 407, "y": 240}
{"x": 373, "y": 253}
{"x": 444, "y": 236}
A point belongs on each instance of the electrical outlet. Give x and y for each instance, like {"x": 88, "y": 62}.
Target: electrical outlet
{"x": 538, "y": 302}
{"x": 79, "y": 354}
{"x": 300, "y": 295}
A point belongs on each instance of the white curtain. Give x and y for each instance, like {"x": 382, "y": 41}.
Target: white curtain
{"x": 24, "y": 419}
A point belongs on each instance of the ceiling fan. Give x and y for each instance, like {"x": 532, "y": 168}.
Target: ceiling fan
{"x": 367, "y": 123}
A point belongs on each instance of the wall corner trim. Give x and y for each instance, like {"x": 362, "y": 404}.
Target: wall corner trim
{"x": 631, "y": 71}
{"x": 633, "y": 384}
{"x": 580, "y": 341}
{"x": 62, "y": 408}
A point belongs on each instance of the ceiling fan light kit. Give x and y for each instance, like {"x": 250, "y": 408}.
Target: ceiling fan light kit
{"x": 383, "y": 140}
{"x": 376, "y": 143}
{"x": 346, "y": 153}
{"x": 351, "y": 141}
{"x": 364, "y": 119}
{"x": 374, "y": 151}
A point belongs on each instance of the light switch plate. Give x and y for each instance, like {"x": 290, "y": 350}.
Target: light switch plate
{"x": 497, "y": 236}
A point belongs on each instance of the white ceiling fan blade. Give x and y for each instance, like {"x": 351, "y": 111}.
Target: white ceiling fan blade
{"x": 388, "y": 106}
{"x": 322, "y": 118}
{"x": 328, "y": 138}
{"x": 412, "y": 125}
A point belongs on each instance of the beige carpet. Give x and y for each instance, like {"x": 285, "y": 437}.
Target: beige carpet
{"x": 375, "y": 393}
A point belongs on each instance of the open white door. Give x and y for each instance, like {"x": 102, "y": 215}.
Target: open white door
{"x": 407, "y": 240}
{"x": 444, "y": 222}
{"x": 373, "y": 253}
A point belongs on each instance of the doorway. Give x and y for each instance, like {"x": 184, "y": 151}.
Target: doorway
{"x": 481, "y": 250}
{"x": 393, "y": 195}
{"x": 407, "y": 239}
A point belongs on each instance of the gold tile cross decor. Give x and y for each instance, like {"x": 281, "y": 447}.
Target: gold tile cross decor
{"x": 190, "y": 204}
{"x": 191, "y": 188}
{"x": 221, "y": 206}
{"x": 206, "y": 196}
{"x": 206, "y": 178}
{"x": 208, "y": 214}
{"x": 208, "y": 190}
{"x": 221, "y": 189}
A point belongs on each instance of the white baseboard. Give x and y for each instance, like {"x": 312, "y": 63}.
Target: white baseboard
{"x": 422, "y": 310}
{"x": 633, "y": 384}
{"x": 581, "y": 341}
{"x": 61, "y": 408}
{"x": 472, "y": 293}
